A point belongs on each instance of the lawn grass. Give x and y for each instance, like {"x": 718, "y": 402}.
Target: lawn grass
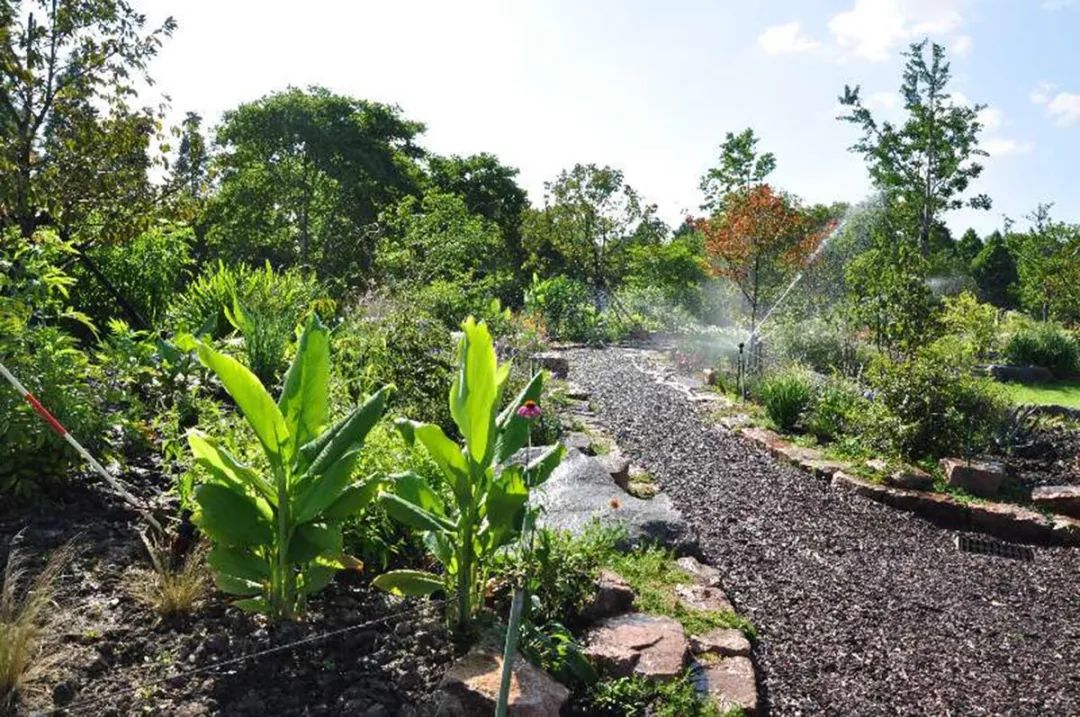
{"x": 1061, "y": 393}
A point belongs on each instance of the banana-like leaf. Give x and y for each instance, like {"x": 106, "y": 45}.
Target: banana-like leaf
{"x": 412, "y": 515}
{"x": 318, "y": 491}
{"x": 236, "y": 586}
{"x": 440, "y": 546}
{"x": 354, "y": 499}
{"x": 256, "y": 605}
{"x": 315, "y": 577}
{"x": 238, "y": 563}
{"x": 305, "y": 393}
{"x": 351, "y": 433}
{"x": 414, "y": 583}
{"x": 223, "y": 465}
{"x": 312, "y": 540}
{"x": 232, "y": 518}
{"x": 505, "y": 504}
{"x": 513, "y": 430}
{"x": 446, "y": 454}
{"x": 475, "y": 389}
{"x": 540, "y": 468}
{"x": 251, "y": 398}
{"x": 416, "y": 490}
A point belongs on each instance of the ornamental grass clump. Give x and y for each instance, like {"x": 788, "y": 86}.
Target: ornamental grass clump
{"x": 276, "y": 534}
{"x": 488, "y": 493}
{"x": 787, "y": 395}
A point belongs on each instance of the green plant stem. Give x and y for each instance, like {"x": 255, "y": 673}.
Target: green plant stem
{"x": 513, "y": 630}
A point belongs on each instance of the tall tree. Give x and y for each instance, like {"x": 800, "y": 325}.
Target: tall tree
{"x": 994, "y": 270}
{"x": 759, "y": 241}
{"x": 71, "y": 146}
{"x": 590, "y": 220}
{"x": 968, "y": 247}
{"x": 740, "y": 168}
{"x": 925, "y": 165}
{"x": 303, "y": 177}
{"x": 190, "y": 169}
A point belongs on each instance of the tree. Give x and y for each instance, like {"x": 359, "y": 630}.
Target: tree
{"x": 994, "y": 271}
{"x": 968, "y": 247}
{"x": 590, "y": 220}
{"x": 304, "y": 175}
{"x": 924, "y": 166}
{"x": 741, "y": 167}
{"x": 489, "y": 188}
{"x": 71, "y": 147}
{"x": 759, "y": 241}
{"x": 1047, "y": 260}
{"x": 190, "y": 170}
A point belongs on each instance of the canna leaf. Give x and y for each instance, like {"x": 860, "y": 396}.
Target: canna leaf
{"x": 251, "y": 398}
{"x": 416, "y": 490}
{"x": 412, "y": 515}
{"x": 238, "y": 563}
{"x": 224, "y": 466}
{"x": 505, "y": 504}
{"x": 315, "y": 577}
{"x": 541, "y": 468}
{"x": 232, "y": 518}
{"x": 513, "y": 430}
{"x": 318, "y": 491}
{"x": 236, "y": 586}
{"x": 475, "y": 389}
{"x": 256, "y": 605}
{"x": 354, "y": 499}
{"x": 413, "y": 583}
{"x": 304, "y": 398}
{"x": 350, "y": 433}
{"x": 312, "y": 540}
{"x": 446, "y": 454}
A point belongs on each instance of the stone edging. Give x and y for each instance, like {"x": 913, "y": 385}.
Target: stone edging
{"x": 1002, "y": 520}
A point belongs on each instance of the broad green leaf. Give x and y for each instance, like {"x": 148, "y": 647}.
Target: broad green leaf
{"x": 315, "y": 578}
{"x": 440, "y": 546}
{"x": 412, "y": 515}
{"x": 475, "y": 388}
{"x": 354, "y": 499}
{"x": 312, "y": 540}
{"x": 238, "y": 563}
{"x": 232, "y": 518}
{"x": 351, "y": 433}
{"x": 251, "y": 398}
{"x": 416, "y": 490}
{"x": 319, "y": 490}
{"x": 505, "y": 503}
{"x": 541, "y": 467}
{"x": 236, "y": 586}
{"x": 446, "y": 454}
{"x": 224, "y": 466}
{"x": 513, "y": 430}
{"x": 413, "y": 583}
{"x": 304, "y": 398}
{"x": 257, "y": 605}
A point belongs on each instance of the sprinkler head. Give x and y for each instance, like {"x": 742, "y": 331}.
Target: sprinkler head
{"x": 741, "y": 344}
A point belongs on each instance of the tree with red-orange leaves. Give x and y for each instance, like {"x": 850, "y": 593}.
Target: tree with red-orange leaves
{"x": 759, "y": 241}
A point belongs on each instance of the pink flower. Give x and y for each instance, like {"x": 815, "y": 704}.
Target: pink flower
{"x": 529, "y": 410}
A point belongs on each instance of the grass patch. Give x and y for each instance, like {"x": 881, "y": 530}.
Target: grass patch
{"x": 168, "y": 589}
{"x": 631, "y": 696}
{"x": 1061, "y": 393}
{"x": 653, "y": 575}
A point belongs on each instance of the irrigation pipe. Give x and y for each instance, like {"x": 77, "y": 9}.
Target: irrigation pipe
{"x": 224, "y": 663}
{"x": 59, "y": 429}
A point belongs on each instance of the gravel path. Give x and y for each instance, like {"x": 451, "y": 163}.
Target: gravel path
{"x": 861, "y": 609}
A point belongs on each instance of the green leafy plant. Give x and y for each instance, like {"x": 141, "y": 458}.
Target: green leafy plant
{"x": 786, "y": 395}
{"x": 1045, "y": 345}
{"x": 835, "y": 410}
{"x": 487, "y": 493}
{"x": 632, "y": 696}
{"x": 277, "y": 535}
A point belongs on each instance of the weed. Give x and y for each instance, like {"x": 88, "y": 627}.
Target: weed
{"x": 172, "y": 587}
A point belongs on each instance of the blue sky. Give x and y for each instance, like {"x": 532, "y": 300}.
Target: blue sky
{"x": 651, "y": 87}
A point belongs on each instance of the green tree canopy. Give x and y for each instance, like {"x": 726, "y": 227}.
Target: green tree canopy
{"x": 740, "y": 168}
{"x": 994, "y": 271}
{"x": 303, "y": 177}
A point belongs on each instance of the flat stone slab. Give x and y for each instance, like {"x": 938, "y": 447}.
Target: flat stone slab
{"x": 651, "y": 646}
{"x": 1063, "y": 499}
{"x": 981, "y": 478}
{"x": 703, "y": 574}
{"x": 703, "y": 598}
{"x": 618, "y": 467}
{"x": 581, "y": 490}
{"x": 722, "y": 642}
{"x": 471, "y": 686}
{"x": 730, "y": 683}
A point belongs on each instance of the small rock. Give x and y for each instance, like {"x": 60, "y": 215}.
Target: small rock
{"x": 576, "y": 393}
{"x": 981, "y": 478}
{"x": 618, "y": 466}
{"x": 471, "y": 686}
{"x": 555, "y": 362}
{"x": 723, "y": 641}
{"x": 1063, "y": 499}
{"x": 651, "y": 646}
{"x": 702, "y": 597}
{"x": 703, "y": 574}
{"x": 613, "y": 597}
{"x": 911, "y": 478}
{"x": 731, "y": 683}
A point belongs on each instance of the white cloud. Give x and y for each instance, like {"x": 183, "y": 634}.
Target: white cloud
{"x": 786, "y": 39}
{"x": 874, "y": 29}
{"x": 883, "y": 100}
{"x": 961, "y": 45}
{"x": 1003, "y": 146}
{"x": 1063, "y": 107}
{"x": 990, "y": 118}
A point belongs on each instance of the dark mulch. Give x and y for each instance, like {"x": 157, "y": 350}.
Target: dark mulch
{"x": 1050, "y": 457}
{"x": 862, "y": 610}
{"x": 115, "y": 656}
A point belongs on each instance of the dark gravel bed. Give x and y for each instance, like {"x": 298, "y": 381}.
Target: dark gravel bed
{"x": 861, "y": 609}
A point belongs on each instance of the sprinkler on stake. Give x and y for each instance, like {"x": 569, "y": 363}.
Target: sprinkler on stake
{"x": 739, "y": 375}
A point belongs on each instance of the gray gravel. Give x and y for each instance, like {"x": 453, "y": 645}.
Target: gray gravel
{"x": 861, "y": 609}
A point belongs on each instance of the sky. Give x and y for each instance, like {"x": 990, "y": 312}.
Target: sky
{"x": 651, "y": 87}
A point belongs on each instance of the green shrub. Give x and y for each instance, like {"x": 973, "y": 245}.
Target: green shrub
{"x": 488, "y": 505}
{"x": 823, "y": 346}
{"x": 566, "y": 309}
{"x": 147, "y": 271}
{"x": 836, "y": 410}
{"x": 786, "y": 395}
{"x": 653, "y": 311}
{"x": 399, "y": 345}
{"x": 277, "y": 533}
{"x": 927, "y": 407}
{"x": 1045, "y": 345}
